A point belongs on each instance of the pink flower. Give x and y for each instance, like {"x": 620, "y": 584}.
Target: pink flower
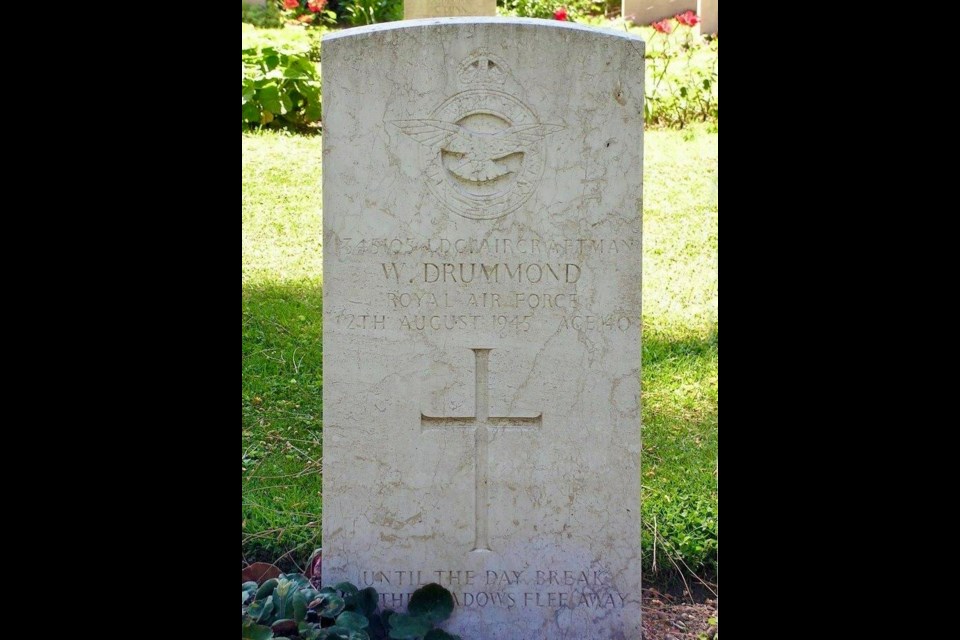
{"x": 689, "y": 18}
{"x": 316, "y": 5}
{"x": 663, "y": 26}
{"x": 560, "y": 13}
{"x": 291, "y": 4}
{"x": 306, "y": 18}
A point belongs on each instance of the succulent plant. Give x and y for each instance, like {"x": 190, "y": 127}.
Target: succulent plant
{"x": 290, "y": 607}
{"x": 428, "y": 605}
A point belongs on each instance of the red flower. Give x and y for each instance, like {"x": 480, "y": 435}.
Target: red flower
{"x": 689, "y": 18}
{"x": 291, "y": 4}
{"x": 316, "y": 5}
{"x": 306, "y": 18}
{"x": 663, "y": 26}
{"x": 560, "y": 13}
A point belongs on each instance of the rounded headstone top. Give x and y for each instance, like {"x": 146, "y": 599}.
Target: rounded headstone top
{"x": 481, "y": 21}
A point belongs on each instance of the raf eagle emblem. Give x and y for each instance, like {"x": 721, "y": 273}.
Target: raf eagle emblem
{"x": 479, "y": 154}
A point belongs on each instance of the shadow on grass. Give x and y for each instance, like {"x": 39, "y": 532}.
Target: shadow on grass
{"x": 282, "y": 407}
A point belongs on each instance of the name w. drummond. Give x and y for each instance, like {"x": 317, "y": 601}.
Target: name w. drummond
{"x": 484, "y": 273}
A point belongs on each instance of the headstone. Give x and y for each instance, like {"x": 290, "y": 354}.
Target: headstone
{"x": 415, "y": 9}
{"x": 709, "y": 12}
{"x": 643, "y": 12}
{"x": 482, "y": 245}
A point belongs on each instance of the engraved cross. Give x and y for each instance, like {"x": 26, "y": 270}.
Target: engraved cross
{"x": 482, "y": 423}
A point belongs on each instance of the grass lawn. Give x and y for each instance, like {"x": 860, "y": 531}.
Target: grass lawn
{"x": 282, "y": 350}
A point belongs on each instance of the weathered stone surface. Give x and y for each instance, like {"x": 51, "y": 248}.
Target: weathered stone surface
{"x": 482, "y": 244}
{"x": 414, "y": 9}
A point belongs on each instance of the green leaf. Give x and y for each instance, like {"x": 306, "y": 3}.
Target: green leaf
{"x": 379, "y": 626}
{"x": 352, "y": 620}
{"x": 300, "y": 68}
{"x": 313, "y": 111}
{"x": 256, "y": 632}
{"x": 331, "y": 606}
{"x": 366, "y": 601}
{"x": 308, "y": 631}
{"x": 281, "y": 598}
{"x": 286, "y": 102}
{"x": 440, "y": 634}
{"x": 300, "y": 580}
{"x": 285, "y": 626}
{"x": 249, "y": 586}
{"x": 267, "y": 588}
{"x": 404, "y": 627}
{"x": 269, "y": 96}
{"x": 337, "y": 632}
{"x": 261, "y": 610}
{"x": 308, "y": 88}
{"x": 346, "y": 588}
{"x": 299, "y": 602}
{"x": 432, "y": 602}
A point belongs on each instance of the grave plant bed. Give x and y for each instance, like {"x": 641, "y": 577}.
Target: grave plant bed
{"x": 293, "y": 607}
{"x": 676, "y": 615}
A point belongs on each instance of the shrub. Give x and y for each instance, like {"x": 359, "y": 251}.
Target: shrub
{"x": 265, "y": 15}
{"x": 310, "y": 13}
{"x": 294, "y": 40}
{"x": 547, "y": 9}
{"x": 682, "y": 74}
{"x": 279, "y": 86}
{"x": 362, "y": 12}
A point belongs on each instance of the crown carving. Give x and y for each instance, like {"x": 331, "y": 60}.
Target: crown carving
{"x": 482, "y": 70}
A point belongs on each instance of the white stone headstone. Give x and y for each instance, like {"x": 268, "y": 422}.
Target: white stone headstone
{"x": 709, "y": 12}
{"x": 643, "y": 12}
{"x": 482, "y": 249}
{"x": 415, "y": 9}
